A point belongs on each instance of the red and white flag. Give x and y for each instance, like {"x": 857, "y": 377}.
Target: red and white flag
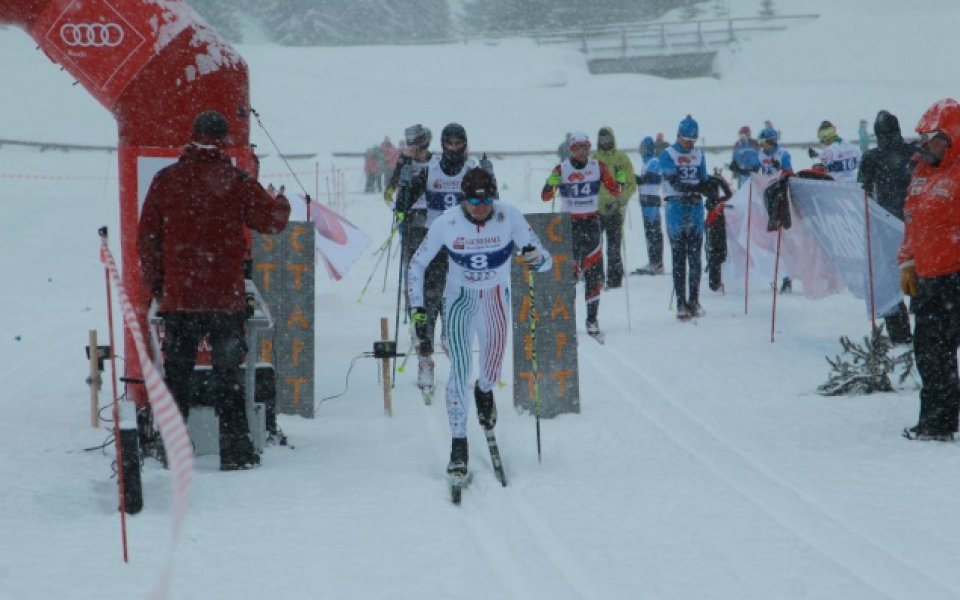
{"x": 339, "y": 242}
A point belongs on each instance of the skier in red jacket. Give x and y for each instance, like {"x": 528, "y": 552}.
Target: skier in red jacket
{"x": 192, "y": 243}
{"x": 930, "y": 269}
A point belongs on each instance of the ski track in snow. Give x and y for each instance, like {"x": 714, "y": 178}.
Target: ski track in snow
{"x": 537, "y": 568}
{"x": 829, "y": 535}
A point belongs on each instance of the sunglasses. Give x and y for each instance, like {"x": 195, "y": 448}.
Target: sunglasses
{"x": 687, "y": 139}
{"x": 478, "y": 201}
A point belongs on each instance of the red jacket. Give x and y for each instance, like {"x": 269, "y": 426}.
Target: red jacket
{"x": 191, "y": 235}
{"x": 931, "y": 234}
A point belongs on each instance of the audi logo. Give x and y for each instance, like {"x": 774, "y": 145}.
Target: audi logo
{"x": 95, "y": 35}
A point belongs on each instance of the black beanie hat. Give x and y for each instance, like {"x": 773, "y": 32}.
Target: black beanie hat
{"x": 210, "y": 124}
{"x": 478, "y": 183}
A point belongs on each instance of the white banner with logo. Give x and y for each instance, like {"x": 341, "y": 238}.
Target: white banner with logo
{"x": 834, "y": 213}
{"x": 825, "y": 248}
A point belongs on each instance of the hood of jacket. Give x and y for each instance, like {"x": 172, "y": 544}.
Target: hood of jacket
{"x": 943, "y": 116}
{"x": 887, "y": 129}
{"x": 606, "y": 131}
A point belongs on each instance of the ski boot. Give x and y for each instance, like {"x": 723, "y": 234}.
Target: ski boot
{"x": 457, "y": 474}
{"x": 425, "y": 378}
{"x": 649, "y": 269}
{"x": 914, "y": 433}
{"x": 695, "y": 309}
{"x": 459, "y": 456}
{"x": 593, "y": 330}
{"x": 683, "y": 311}
{"x": 486, "y": 407}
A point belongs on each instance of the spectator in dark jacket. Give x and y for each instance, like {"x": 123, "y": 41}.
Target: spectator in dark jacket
{"x": 885, "y": 173}
{"x": 191, "y": 241}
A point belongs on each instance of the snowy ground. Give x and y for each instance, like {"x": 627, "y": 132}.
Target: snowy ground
{"x": 703, "y": 464}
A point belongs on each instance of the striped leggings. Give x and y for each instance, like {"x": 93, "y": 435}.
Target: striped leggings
{"x": 468, "y": 314}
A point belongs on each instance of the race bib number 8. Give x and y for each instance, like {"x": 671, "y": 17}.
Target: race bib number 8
{"x": 478, "y": 262}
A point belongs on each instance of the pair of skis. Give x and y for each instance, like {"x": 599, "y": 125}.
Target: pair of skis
{"x": 459, "y": 482}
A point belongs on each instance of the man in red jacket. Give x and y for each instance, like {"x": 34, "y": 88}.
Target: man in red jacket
{"x": 930, "y": 269}
{"x": 192, "y": 244}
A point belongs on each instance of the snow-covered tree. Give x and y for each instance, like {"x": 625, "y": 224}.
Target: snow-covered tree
{"x": 864, "y": 369}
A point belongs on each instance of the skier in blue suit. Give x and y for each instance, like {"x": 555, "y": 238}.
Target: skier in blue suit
{"x": 684, "y": 170}
{"x": 649, "y": 183}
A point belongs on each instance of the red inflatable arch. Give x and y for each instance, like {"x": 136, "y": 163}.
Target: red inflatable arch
{"x": 154, "y": 64}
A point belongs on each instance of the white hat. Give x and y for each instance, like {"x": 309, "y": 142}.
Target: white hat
{"x": 576, "y": 138}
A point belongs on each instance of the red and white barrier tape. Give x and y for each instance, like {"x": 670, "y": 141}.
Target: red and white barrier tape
{"x": 173, "y": 431}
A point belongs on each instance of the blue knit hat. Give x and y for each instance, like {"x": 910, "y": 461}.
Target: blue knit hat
{"x": 647, "y": 147}
{"x": 688, "y": 128}
{"x": 769, "y": 136}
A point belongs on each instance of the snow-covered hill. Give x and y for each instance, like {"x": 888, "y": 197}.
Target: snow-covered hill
{"x": 703, "y": 464}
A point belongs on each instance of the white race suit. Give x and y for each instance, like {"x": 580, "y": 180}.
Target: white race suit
{"x": 476, "y": 299}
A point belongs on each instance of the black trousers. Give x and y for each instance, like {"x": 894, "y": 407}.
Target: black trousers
{"x": 716, "y": 250}
{"x": 612, "y": 226}
{"x": 652, "y": 229}
{"x": 412, "y": 231}
{"x": 898, "y": 325}
{"x": 224, "y": 331}
{"x": 588, "y": 260}
{"x": 434, "y": 281}
{"x": 935, "y": 341}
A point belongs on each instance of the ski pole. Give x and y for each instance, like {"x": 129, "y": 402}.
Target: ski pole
{"x": 403, "y": 363}
{"x": 672, "y": 292}
{"x": 396, "y": 320}
{"x": 533, "y": 358}
{"x": 381, "y": 252}
{"x": 625, "y": 279}
{"x": 386, "y": 269}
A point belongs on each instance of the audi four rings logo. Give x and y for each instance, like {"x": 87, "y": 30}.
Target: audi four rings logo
{"x": 91, "y": 35}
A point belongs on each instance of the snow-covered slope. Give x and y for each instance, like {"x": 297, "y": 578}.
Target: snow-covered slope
{"x": 703, "y": 464}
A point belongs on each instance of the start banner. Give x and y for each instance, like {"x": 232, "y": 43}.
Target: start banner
{"x": 554, "y": 338}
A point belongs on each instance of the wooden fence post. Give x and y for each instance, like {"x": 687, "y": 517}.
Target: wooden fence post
{"x": 385, "y": 368}
{"x": 94, "y": 380}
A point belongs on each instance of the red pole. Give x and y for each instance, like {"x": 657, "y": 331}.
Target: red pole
{"x": 116, "y": 413}
{"x": 873, "y": 301}
{"x": 776, "y": 278}
{"x": 746, "y": 270}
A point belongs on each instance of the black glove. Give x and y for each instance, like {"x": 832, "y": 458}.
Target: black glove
{"x": 718, "y": 182}
{"x": 812, "y": 153}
